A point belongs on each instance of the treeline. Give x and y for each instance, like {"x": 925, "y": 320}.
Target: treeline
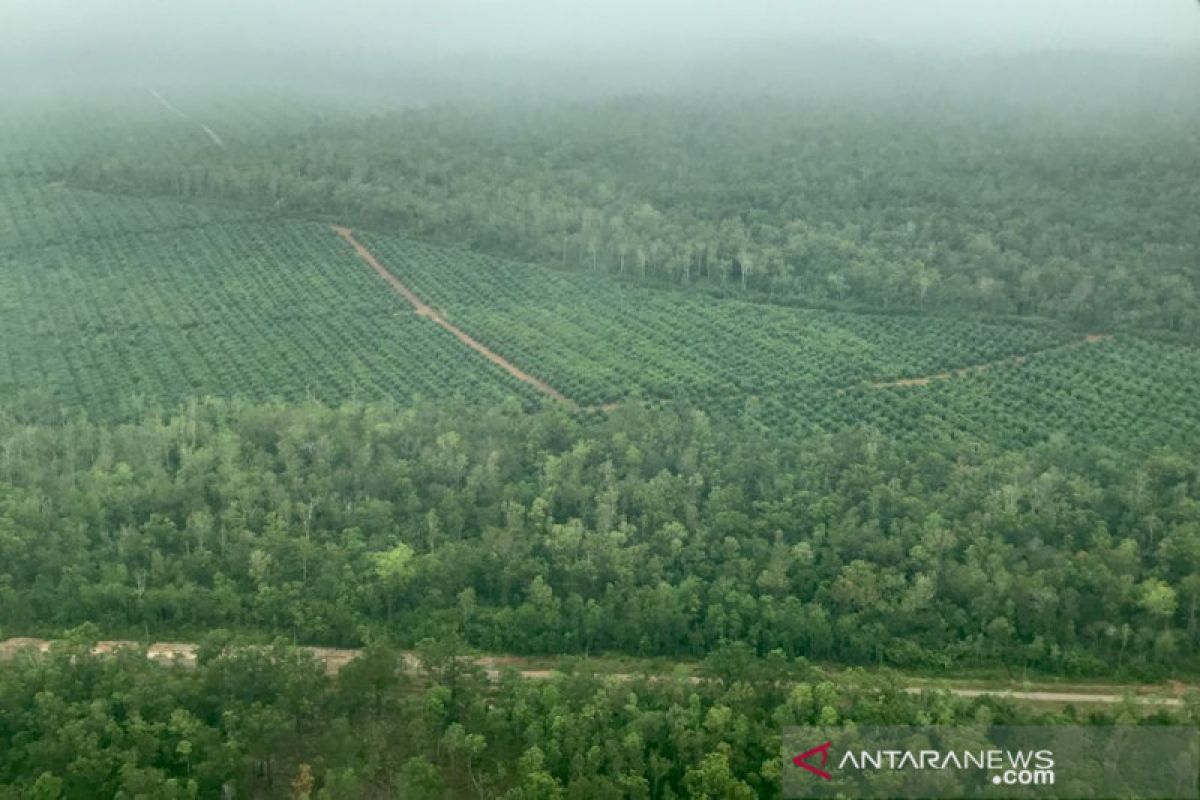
{"x": 268, "y": 722}
{"x": 649, "y": 532}
{"x": 917, "y": 203}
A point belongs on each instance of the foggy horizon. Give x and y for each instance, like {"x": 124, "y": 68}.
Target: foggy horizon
{"x": 543, "y": 30}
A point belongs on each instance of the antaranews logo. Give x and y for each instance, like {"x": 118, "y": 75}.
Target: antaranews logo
{"x": 993, "y": 762}
{"x": 1020, "y": 767}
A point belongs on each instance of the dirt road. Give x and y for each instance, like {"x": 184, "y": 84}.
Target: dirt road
{"x": 925, "y": 380}
{"x": 334, "y": 659}
{"x": 424, "y": 310}
{"x": 162, "y": 101}
{"x": 1059, "y": 697}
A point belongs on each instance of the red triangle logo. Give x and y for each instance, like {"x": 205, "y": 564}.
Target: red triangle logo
{"x": 802, "y": 760}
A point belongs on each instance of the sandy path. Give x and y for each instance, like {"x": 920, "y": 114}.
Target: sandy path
{"x": 925, "y": 380}
{"x": 1059, "y": 697}
{"x": 423, "y": 309}
{"x": 162, "y": 101}
{"x": 334, "y": 659}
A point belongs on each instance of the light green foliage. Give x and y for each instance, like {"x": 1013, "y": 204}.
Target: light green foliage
{"x": 394, "y": 565}
{"x": 1158, "y": 599}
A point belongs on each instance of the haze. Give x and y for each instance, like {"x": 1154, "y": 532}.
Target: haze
{"x": 551, "y": 28}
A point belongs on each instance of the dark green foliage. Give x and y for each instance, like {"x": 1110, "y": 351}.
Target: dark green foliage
{"x": 645, "y": 532}
{"x": 266, "y": 722}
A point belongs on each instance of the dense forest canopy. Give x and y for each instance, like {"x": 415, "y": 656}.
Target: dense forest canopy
{"x": 266, "y": 722}
{"x": 645, "y": 532}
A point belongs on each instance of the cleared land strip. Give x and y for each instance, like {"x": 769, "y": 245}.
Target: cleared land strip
{"x": 1057, "y": 697}
{"x": 423, "y": 309}
{"x": 1091, "y": 338}
{"x": 334, "y": 659}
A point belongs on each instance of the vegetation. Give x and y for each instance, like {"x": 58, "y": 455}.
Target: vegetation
{"x": 644, "y": 532}
{"x": 916, "y": 203}
{"x": 35, "y": 214}
{"x": 599, "y": 341}
{"x": 1125, "y": 394}
{"x": 266, "y": 722}
{"x": 899, "y": 384}
{"x": 116, "y": 324}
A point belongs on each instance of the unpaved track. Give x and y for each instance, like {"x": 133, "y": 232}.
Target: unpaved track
{"x": 1091, "y": 338}
{"x": 1058, "y": 697}
{"x": 424, "y": 310}
{"x": 162, "y": 101}
{"x": 334, "y": 659}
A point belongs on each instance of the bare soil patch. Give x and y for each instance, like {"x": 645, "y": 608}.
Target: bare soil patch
{"x": 1060, "y": 697}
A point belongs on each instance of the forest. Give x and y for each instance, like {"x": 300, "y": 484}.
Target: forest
{"x": 647, "y": 532}
{"x": 267, "y": 721}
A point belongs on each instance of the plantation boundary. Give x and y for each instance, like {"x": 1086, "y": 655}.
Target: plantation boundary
{"x": 424, "y": 310}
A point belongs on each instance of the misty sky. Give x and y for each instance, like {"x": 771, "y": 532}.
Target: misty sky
{"x": 553, "y": 27}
